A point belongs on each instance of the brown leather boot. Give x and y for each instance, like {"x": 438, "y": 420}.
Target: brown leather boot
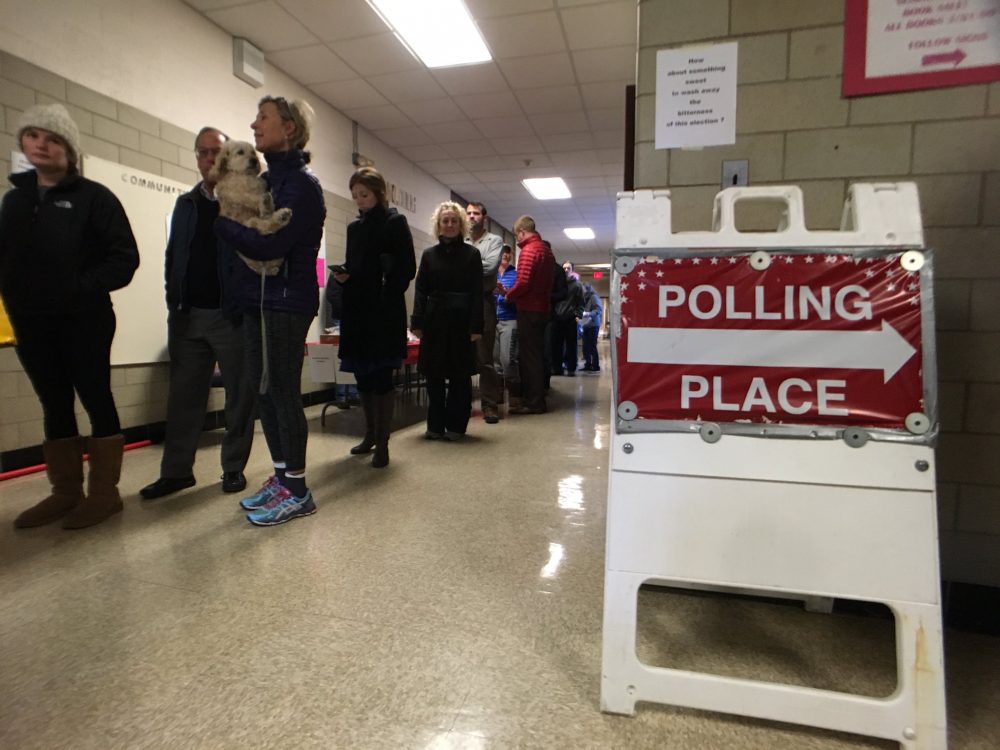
{"x": 102, "y": 500}
{"x": 384, "y": 405}
{"x": 368, "y": 399}
{"x": 64, "y": 465}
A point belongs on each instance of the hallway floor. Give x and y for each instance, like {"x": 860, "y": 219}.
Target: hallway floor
{"x": 450, "y": 601}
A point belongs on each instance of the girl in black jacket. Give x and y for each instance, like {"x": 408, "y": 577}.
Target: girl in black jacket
{"x": 448, "y": 318}
{"x": 379, "y": 267}
{"x": 65, "y": 244}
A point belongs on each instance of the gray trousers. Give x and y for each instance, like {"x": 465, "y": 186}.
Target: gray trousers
{"x": 505, "y": 356}
{"x": 196, "y": 340}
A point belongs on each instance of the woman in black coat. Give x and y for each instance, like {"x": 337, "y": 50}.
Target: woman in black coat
{"x": 448, "y": 319}
{"x": 379, "y": 267}
{"x": 65, "y": 245}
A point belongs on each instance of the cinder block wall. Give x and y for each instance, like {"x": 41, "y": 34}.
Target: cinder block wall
{"x": 795, "y": 128}
{"x": 118, "y": 133}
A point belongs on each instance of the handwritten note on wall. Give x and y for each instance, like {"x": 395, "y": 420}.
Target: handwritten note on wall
{"x": 696, "y": 96}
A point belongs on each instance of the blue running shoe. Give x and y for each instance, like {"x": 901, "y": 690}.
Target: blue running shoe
{"x": 283, "y": 507}
{"x": 263, "y": 495}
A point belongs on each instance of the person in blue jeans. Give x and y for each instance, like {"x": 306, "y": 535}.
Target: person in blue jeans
{"x": 590, "y": 324}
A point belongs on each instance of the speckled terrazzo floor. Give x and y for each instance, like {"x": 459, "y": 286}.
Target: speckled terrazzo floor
{"x": 451, "y": 601}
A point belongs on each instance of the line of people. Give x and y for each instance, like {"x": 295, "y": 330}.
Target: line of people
{"x": 474, "y": 311}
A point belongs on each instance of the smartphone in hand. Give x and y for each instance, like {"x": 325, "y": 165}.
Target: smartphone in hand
{"x": 338, "y": 268}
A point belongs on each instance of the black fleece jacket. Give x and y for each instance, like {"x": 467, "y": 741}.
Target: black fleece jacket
{"x": 64, "y": 253}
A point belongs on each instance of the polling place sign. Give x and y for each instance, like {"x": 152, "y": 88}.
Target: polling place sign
{"x": 794, "y": 338}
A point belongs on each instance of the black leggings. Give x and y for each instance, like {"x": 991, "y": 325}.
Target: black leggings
{"x": 378, "y": 381}
{"x": 63, "y": 354}
{"x": 281, "y": 412}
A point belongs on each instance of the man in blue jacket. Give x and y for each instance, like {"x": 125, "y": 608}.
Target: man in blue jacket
{"x": 203, "y": 327}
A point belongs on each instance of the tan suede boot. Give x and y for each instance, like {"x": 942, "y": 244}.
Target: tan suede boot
{"x": 102, "y": 500}
{"x": 64, "y": 465}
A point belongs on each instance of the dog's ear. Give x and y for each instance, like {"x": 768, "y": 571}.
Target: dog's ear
{"x": 220, "y": 167}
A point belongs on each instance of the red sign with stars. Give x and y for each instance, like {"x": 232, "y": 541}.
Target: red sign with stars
{"x": 813, "y": 339}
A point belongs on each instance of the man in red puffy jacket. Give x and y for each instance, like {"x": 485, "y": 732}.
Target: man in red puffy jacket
{"x": 531, "y": 295}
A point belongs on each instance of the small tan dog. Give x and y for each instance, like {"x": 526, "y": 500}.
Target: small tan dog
{"x": 244, "y": 197}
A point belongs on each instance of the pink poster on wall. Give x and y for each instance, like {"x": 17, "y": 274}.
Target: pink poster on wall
{"x": 905, "y": 45}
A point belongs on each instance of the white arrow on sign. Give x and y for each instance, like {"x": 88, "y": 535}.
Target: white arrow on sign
{"x": 883, "y": 350}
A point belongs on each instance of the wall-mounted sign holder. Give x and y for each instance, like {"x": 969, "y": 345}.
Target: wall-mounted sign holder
{"x": 759, "y": 447}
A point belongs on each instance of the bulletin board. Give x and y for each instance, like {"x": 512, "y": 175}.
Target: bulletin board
{"x": 140, "y": 307}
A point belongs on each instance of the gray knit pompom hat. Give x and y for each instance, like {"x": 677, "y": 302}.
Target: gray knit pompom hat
{"x": 54, "y": 118}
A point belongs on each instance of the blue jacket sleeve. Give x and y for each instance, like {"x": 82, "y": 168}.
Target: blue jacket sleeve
{"x": 305, "y": 200}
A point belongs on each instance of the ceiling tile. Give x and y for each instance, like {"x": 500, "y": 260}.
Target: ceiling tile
{"x": 526, "y": 34}
{"x": 580, "y": 183}
{"x": 266, "y": 24}
{"x": 609, "y": 138}
{"x": 435, "y": 166}
{"x": 407, "y": 86}
{"x": 601, "y": 25}
{"x": 491, "y": 8}
{"x": 430, "y": 152}
{"x": 449, "y": 132}
{"x": 484, "y": 164}
{"x": 204, "y": 5}
{"x": 463, "y": 149}
{"x": 565, "y": 158}
{"x": 471, "y": 79}
{"x": 335, "y": 19}
{"x": 313, "y": 64}
{"x": 536, "y": 158}
{"x": 407, "y": 136}
{"x": 379, "y": 118}
{"x": 354, "y": 94}
{"x": 611, "y": 155}
{"x": 500, "y": 127}
{"x": 550, "y": 99}
{"x": 604, "y": 95}
{"x": 561, "y": 122}
{"x": 606, "y": 119}
{"x": 538, "y": 70}
{"x": 567, "y": 142}
{"x": 498, "y": 104}
{"x": 373, "y": 55}
{"x": 430, "y": 111}
{"x": 608, "y": 64}
{"x": 523, "y": 144}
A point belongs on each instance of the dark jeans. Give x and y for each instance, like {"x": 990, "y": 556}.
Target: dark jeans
{"x": 281, "y": 411}
{"x": 531, "y": 336}
{"x": 564, "y": 346}
{"x": 590, "y": 359}
{"x": 64, "y": 355}
{"x": 449, "y": 404}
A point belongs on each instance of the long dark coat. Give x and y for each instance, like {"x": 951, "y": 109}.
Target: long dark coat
{"x": 448, "y": 308}
{"x": 381, "y": 263}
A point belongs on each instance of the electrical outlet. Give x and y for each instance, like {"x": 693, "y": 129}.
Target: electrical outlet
{"x": 735, "y": 173}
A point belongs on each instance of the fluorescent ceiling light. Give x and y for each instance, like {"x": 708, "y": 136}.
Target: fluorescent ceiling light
{"x": 579, "y": 233}
{"x": 547, "y": 188}
{"x": 441, "y": 33}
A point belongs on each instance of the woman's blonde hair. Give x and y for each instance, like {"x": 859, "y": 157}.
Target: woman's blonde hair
{"x": 296, "y": 111}
{"x": 449, "y": 207}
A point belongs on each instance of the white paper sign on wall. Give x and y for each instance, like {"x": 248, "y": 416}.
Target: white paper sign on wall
{"x": 696, "y": 96}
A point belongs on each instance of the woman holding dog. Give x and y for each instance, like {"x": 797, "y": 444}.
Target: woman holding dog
{"x": 65, "y": 244}
{"x": 279, "y": 308}
{"x": 380, "y": 265}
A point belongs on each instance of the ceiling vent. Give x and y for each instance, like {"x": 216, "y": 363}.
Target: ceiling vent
{"x": 248, "y": 63}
